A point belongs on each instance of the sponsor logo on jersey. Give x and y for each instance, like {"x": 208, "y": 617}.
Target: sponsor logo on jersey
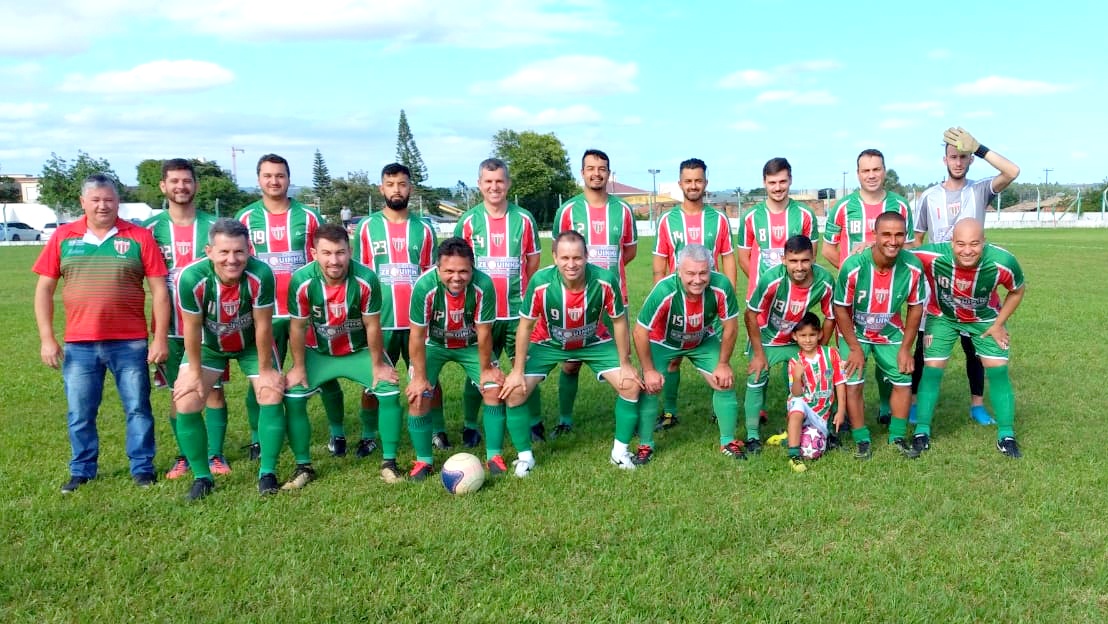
{"x": 336, "y": 309}
{"x": 880, "y": 294}
{"x": 121, "y": 246}
{"x": 778, "y": 231}
{"x": 498, "y": 239}
{"x": 963, "y": 284}
{"x": 575, "y": 314}
{"x": 277, "y": 233}
{"x": 257, "y": 237}
{"x": 184, "y": 248}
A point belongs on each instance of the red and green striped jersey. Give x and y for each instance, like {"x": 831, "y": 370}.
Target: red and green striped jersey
{"x": 764, "y": 234}
{"x": 570, "y": 320}
{"x": 501, "y": 247}
{"x": 709, "y": 227}
{"x": 282, "y": 241}
{"x": 875, "y": 296}
{"x": 399, "y": 253}
{"x": 180, "y": 245}
{"x": 820, "y": 374}
{"x": 968, "y": 295}
{"x": 781, "y": 304}
{"x": 451, "y": 320}
{"x": 227, "y": 310}
{"x": 607, "y": 230}
{"x": 334, "y": 313}
{"x": 102, "y": 291}
{"x": 851, "y": 221}
{"x": 677, "y": 321}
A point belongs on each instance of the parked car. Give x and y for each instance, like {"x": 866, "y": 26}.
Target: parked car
{"x": 19, "y": 231}
{"x": 49, "y": 229}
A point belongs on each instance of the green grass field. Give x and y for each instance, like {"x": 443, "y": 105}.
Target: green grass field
{"x": 963, "y": 534}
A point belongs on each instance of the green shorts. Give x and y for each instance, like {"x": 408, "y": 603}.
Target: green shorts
{"x": 172, "y": 366}
{"x": 601, "y": 358}
{"x": 396, "y": 345}
{"x": 213, "y": 360}
{"x": 504, "y": 337}
{"x": 704, "y": 356}
{"x": 774, "y": 356}
{"x": 466, "y": 357}
{"x": 884, "y": 359}
{"x": 357, "y": 367}
{"x": 942, "y": 333}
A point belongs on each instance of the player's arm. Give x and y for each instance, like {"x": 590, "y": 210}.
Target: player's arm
{"x": 652, "y": 379}
{"x": 727, "y": 267}
{"x": 743, "y": 255}
{"x": 418, "y": 386}
{"x": 490, "y": 370}
{"x": 190, "y": 378}
{"x": 1009, "y": 171}
{"x": 827, "y": 333}
{"x": 622, "y": 335}
{"x": 268, "y": 374}
{"x": 725, "y": 377}
{"x": 298, "y": 331}
{"x": 840, "y": 405}
{"x": 375, "y": 342}
{"x": 917, "y": 240}
{"x": 997, "y": 330}
{"x": 754, "y": 334}
{"x": 830, "y": 252}
{"x": 50, "y": 351}
{"x": 844, "y": 321}
{"x": 630, "y": 250}
{"x": 531, "y": 264}
{"x": 905, "y": 355}
{"x": 796, "y": 378}
{"x": 160, "y": 309}
{"x": 659, "y": 264}
{"x": 515, "y": 379}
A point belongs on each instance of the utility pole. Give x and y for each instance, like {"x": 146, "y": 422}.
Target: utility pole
{"x": 1046, "y": 177}
{"x": 844, "y": 184}
{"x": 654, "y": 193}
{"x": 235, "y": 164}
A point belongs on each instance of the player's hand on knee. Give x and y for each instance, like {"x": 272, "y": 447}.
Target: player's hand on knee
{"x": 724, "y": 376}
{"x": 653, "y": 381}
{"x": 758, "y": 365}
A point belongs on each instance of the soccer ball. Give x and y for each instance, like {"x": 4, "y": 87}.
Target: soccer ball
{"x": 812, "y": 443}
{"x": 463, "y": 473}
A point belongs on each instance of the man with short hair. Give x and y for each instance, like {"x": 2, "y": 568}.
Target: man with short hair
{"x": 679, "y": 319}
{"x": 227, "y": 299}
{"x": 608, "y": 225}
{"x": 103, "y": 261}
{"x": 942, "y": 206}
{"x": 563, "y": 316}
{"x": 181, "y": 232}
{"x": 337, "y": 303}
{"x": 965, "y": 275}
{"x": 453, "y": 315}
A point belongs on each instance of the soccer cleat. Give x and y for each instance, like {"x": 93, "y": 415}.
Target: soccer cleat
{"x": 907, "y": 450}
{"x": 863, "y": 451}
{"x": 145, "y": 479}
{"x": 1009, "y": 447}
{"x": 254, "y": 451}
{"x": 921, "y": 442}
{"x": 884, "y": 418}
{"x": 623, "y": 460}
{"x": 200, "y": 488}
{"x": 643, "y": 455}
{"x": 523, "y": 467}
{"x": 833, "y": 442}
{"x": 180, "y": 468}
{"x": 777, "y": 439}
{"x": 74, "y": 483}
{"x": 337, "y": 446}
{"x": 441, "y": 442}
{"x": 538, "y": 432}
{"x": 496, "y": 466}
{"x": 981, "y": 415}
{"x": 753, "y": 446}
{"x": 562, "y": 429}
{"x": 797, "y": 464}
{"x": 267, "y": 484}
{"x": 470, "y": 437}
{"x": 390, "y": 473}
{"x": 733, "y": 449}
{"x": 420, "y": 471}
{"x": 912, "y": 414}
{"x": 301, "y": 476}
{"x": 365, "y": 447}
{"x": 667, "y": 420}
{"x": 218, "y": 465}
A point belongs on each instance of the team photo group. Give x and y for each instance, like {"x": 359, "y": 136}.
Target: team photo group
{"x": 300, "y": 303}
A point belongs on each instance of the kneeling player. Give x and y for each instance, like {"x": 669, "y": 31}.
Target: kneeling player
{"x": 816, "y": 383}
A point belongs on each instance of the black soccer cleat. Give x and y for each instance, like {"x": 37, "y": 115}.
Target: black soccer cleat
{"x": 441, "y": 442}
{"x": 470, "y": 437}
{"x": 365, "y": 448}
{"x": 267, "y": 484}
{"x": 561, "y": 429}
{"x": 74, "y": 482}
{"x": 643, "y": 455}
{"x": 337, "y": 446}
{"x": 905, "y": 449}
{"x": 253, "y": 451}
{"x": 1009, "y": 447}
{"x": 145, "y": 480}
{"x": 921, "y": 442}
{"x": 538, "y": 432}
{"x": 753, "y": 446}
{"x": 200, "y": 488}
{"x": 863, "y": 451}
{"x": 733, "y": 449}
{"x": 667, "y": 420}
{"x": 884, "y": 418}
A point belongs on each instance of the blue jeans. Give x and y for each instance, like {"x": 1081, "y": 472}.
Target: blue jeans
{"x": 83, "y": 372}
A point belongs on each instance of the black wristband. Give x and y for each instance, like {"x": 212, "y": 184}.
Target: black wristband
{"x": 981, "y": 151}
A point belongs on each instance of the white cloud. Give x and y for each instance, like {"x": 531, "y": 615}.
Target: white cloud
{"x": 570, "y": 115}
{"x": 757, "y": 78}
{"x": 631, "y": 120}
{"x": 61, "y": 26}
{"x": 1001, "y": 85}
{"x": 1079, "y": 155}
{"x": 746, "y": 125}
{"x": 897, "y": 124}
{"x": 566, "y": 75}
{"x": 21, "y": 112}
{"x": 798, "y": 98}
{"x": 746, "y": 78}
{"x": 153, "y": 77}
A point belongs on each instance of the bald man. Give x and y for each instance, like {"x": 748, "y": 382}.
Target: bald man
{"x": 965, "y": 275}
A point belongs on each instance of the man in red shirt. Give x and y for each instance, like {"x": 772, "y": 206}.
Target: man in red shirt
{"x": 103, "y": 261}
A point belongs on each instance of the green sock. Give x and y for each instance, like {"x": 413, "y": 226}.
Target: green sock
{"x": 670, "y": 387}
{"x": 271, "y": 436}
{"x": 898, "y": 428}
{"x": 752, "y": 404}
{"x": 334, "y": 406}
{"x": 438, "y": 421}
{"x": 252, "y": 412}
{"x": 794, "y": 451}
{"x": 300, "y": 429}
{"x": 534, "y": 409}
{"x": 494, "y": 430}
{"x": 567, "y": 396}
{"x": 419, "y": 427}
{"x": 627, "y": 419}
{"x": 927, "y": 396}
{"x": 519, "y": 426}
{"x": 192, "y": 437}
{"x": 1003, "y": 399}
{"x": 471, "y": 404}
{"x": 215, "y": 421}
{"x": 391, "y": 417}
{"x": 884, "y": 391}
{"x": 648, "y": 416}
{"x": 369, "y": 423}
{"x": 861, "y": 434}
{"x": 726, "y": 406}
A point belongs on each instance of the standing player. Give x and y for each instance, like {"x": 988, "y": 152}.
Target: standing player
{"x": 339, "y": 301}
{"x": 871, "y": 289}
{"x": 398, "y": 248}
{"x": 181, "y": 232}
{"x": 691, "y": 223}
{"x": 679, "y": 319}
{"x": 816, "y": 383}
{"x": 505, "y": 242}
{"x": 943, "y": 205}
{"x": 227, "y": 300}
{"x": 608, "y": 226}
{"x": 780, "y": 299}
{"x": 453, "y": 314}
{"x": 964, "y": 276}
{"x": 563, "y": 315}
{"x": 849, "y": 230}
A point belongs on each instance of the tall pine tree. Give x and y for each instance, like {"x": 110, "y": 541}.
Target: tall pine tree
{"x": 407, "y": 153}
{"x": 321, "y": 177}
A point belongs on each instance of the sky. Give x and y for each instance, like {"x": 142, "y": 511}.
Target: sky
{"x": 649, "y": 82}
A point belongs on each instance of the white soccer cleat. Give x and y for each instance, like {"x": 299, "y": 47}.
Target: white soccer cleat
{"x": 623, "y": 460}
{"x": 523, "y": 467}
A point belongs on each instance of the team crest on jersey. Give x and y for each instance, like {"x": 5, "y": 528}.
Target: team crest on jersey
{"x": 598, "y": 227}
{"x": 575, "y": 314}
{"x": 696, "y": 319}
{"x": 121, "y": 246}
{"x": 230, "y": 308}
{"x": 871, "y": 224}
{"x": 399, "y": 244}
{"x": 498, "y": 239}
{"x": 336, "y": 309}
{"x": 796, "y": 307}
{"x": 694, "y": 233}
{"x": 962, "y": 284}
{"x": 184, "y": 248}
{"x": 880, "y": 295}
{"x": 257, "y": 237}
{"x": 278, "y": 233}
{"x": 778, "y": 231}
{"x": 456, "y": 316}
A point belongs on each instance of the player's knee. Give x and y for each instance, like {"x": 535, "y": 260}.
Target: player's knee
{"x": 269, "y": 396}
{"x": 188, "y": 404}
{"x": 571, "y": 368}
{"x": 491, "y": 395}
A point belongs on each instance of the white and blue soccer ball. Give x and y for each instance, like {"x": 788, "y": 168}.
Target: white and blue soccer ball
{"x": 463, "y": 473}
{"x": 812, "y": 443}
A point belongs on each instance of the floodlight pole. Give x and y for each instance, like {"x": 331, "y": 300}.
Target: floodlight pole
{"x": 653, "y": 194}
{"x": 235, "y": 164}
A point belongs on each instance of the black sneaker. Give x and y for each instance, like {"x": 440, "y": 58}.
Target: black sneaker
{"x": 441, "y": 442}
{"x": 643, "y": 455}
{"x": 733, "y": 449}
{"x": 538, "y": 432}
{"x": 365, "y": 447}
{"x": 337, "y": 446}
{"x": 144, "y": 480}
{"x": 74, "y": 483}
{"x": 921, "y": 442}
{"x": 884, "y": 418}
{"x": 667, "y": 420}
{"x": 905, "y": 449}
{"x": 253, "y": 451}
{"x": 1009, "y": 447}
{"x": 301, "y": 476}
{"x": 833, "y": 442}
{"x": 753, "y": 446}
{"x": 562, "y": 429}
{"x": 470, "y": 437}
{"x": 200, "y": 488}
{"x": 267, "y": 484}
{"x": 863, "y": 451}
